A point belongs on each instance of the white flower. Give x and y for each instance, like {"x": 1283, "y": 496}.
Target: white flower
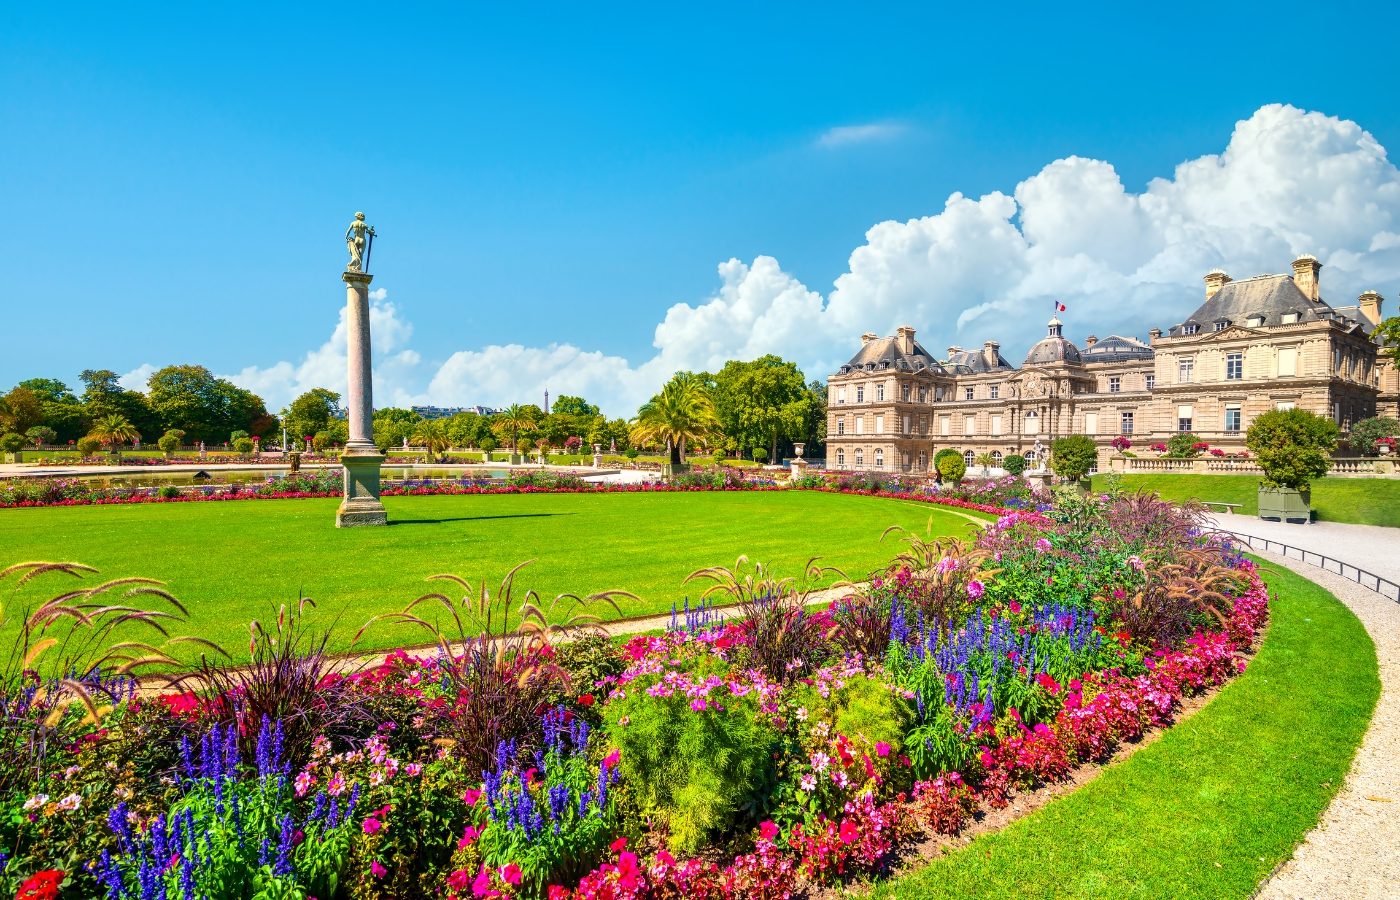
{"x": 801, "y": 713}
{"x": 70, "y": 803}
{"x": 36, "y": 802}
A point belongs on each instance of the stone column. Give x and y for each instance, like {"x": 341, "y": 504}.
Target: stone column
{"x": 361, "y": 458}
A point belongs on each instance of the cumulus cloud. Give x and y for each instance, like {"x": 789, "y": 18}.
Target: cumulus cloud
{"x": 1287, "y": 182}
{"x": 846, "y": 135}
{"x": 136, "y": 379}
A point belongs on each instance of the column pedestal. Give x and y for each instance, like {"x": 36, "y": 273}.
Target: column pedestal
{"x": 361, "y": 505}
{"x": 361, "y": 458}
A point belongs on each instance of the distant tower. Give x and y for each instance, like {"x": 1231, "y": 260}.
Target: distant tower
{"x": 546, "y": 402}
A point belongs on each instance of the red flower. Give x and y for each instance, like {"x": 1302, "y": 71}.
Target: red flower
{"x": 41, "y": 885}
{"x": 510, "y": 873}
{"x": 585, "y": 700}
{"x": 848, "y": 831}
{"x": 618, "y": 845}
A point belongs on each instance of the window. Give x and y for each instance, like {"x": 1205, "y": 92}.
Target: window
{"x": 1287, "y": 361}
{"x": 879, "y": 459}
{"x": 996, "y": 424}
{"x": 1234, "y": 366}
{"x": 841, "y": 394}
{"x": 860, "y": 393}
{"x": 944, "y": 424}
{"x": 906, "y": 462}
{"x": 1030, "y": 457}
{"x": 923, "y": 460}
{"x": 840, "y": 424}
{"x": 1255, "y": 321}
{"x": 996, "y": 457}
{"x": 923, "y": 425}
{"x": 1232, "y": 419}
{"x": 1222, "y": 324}
{"x": 860, "y": 457}
{"x": 969, "y": 458}
{"x": 860, "y": 424}
{"x": 840, "y": 457}
{"x": 906, "y": 393}
{"x": 1284, "y": 404}
{"x": 996, "y": 391}
{"x": 1184, "y": 415}
{"x": 1337, "y": 412}
{"x": 1115, "y": 384}
{"x": 1151, "y": 381}
{"x": 1091, "y": 423}
{"x": 938, "y": 394}
{"x": 1032, "y": 422}
{"x": 906, "y": 424}
{"x": 1190, "y": 329}
{"x": 969, "y": 424}
{"x": 1125, "y": 425}
{"x": 1184, "y": 368}
{"x": 879, "y": 393}
{"x": 967, "y": 393}
{"x": 879, "y": 424}
{"x": 1290, "y": 318}
{"x": 923, "y": 395}
{"x": 1337, "y": 360}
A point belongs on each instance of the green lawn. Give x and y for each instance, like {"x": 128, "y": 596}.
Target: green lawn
{"x": 1364, "y": 501}
{"x": 236, "y": 560}
{"x": 1210, "y": 809}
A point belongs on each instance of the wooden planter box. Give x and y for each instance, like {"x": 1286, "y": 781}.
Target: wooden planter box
{"x": 1285, "y": 505}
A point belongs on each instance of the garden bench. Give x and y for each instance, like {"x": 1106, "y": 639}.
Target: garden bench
{"x": 1229, "y": 507}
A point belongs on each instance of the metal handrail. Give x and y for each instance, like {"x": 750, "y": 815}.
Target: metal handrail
{"x": 1369, "y": 580}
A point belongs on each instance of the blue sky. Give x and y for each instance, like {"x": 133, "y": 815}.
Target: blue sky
{"x": 174, "y": 182}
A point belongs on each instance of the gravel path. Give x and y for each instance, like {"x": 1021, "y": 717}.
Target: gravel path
{"x": 1353, "y": 852}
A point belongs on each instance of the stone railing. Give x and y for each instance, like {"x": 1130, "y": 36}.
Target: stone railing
{"x": 1368, "y": 467}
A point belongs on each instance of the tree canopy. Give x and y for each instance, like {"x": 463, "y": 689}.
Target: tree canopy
{"x": 204, "y": 406}
{"x": 1293, "y": 446}
{"x": 683, "y": 413}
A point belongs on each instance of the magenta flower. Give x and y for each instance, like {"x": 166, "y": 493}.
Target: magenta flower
{"x": 975, "y": 590}
{"x": 377, "y": 870}
{"x": 882, "y": 749}
{"x": 372, "y": 825}
{"x": 510, "y": 873}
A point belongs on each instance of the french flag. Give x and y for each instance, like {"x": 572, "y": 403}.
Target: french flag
{"x": 1059, "y": 307}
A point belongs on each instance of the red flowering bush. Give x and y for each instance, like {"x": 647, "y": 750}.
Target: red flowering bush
{"x": 41, "y": 886}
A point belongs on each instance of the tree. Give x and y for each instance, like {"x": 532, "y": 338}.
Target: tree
{"x": 113, "y": 431}
{"x": 1388, "y": 335}
{"x": 171, "y": 441}
{"x": 20, "y": 410}
{"x": 1365, "y": 433}
{"x": 515, "y": 422}
{"x": 950, "y": 465}
{"x": 104, "y": 396}
{"x": 1014, "y": 464}
{"x": 986, "y": 461}
{"x": 59, "y": 408}
{"x": 392, "y": 424}
{"x": 682, "y": 413}
{"x": 1072, "y": 457}
{"x": 40, "y": 435}
{"x": 205, "y": 406}
{"x": 11, "y": 442}
{"x": 758, "y": 402}
{"x": 1292, "y": 446}
{"x": 1182, "y": 445}
{"x": 573, "y": 406}
{"x": 311, "y": 412}
{"x": 432, "y": 434}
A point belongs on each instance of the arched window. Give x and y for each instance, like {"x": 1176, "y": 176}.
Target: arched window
{"x": 879, "y": 459}
{"x": 996, "y": 457}
{"x": 1030, "y": 456}
{"x": 841, "y": 458}
{"x": 1032, "y": 422}
{"x": 860, "y": 458}
{"x": 968, "y": 458}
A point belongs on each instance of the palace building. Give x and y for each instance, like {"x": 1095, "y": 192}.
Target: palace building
{"x": 1253, "y": 345}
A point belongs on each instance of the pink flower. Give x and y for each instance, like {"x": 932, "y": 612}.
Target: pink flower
{"x": 459, "y": 880}
{"x": 481, "y": 886}
{"x": 698, "y": 704}
{"x": 304, "y": 783}
{"x": 469, "y": 834}
{"x": 510, "y": 873}
{"x": 611, "y": 759}
{"x": 372, "y": 825}
{"x": 768, "y": 831}
{"x": 882, "y": 749}
{"x": 848, "y": 831}
{"x": 975, "y": 589}
{"x": 377, "y": 870}
{"x": 471, "y": 796}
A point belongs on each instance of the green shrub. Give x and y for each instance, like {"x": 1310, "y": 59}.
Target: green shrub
{"x": 719, "y": 457}
{"x": 171, "y": 441}
{"x": 631, "y": 453}
{"x": 864, "y": 707}
{"x": 695, "y": 772}
{"x": 950, "y": 465}
{"x": 1014, "y": 464}
{"x": 40, "y": 435}
{"x": 168, "y": 491}
{"x": 1365, "y": 433}
{"x": 88, "y": 446}
{"x": 1292, "y": 446}
{"x": 1072, "y": 457}
{"x": 760, "y": 455}
{"x": 243, "y": 445}
{"x": 1182, "y": 445}
{"x": 13, "y": 442}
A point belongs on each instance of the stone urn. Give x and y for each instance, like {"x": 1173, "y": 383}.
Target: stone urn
{"x": 597, "y": 456}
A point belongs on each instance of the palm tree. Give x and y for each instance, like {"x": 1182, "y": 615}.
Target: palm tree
{"x": 113, "y": 431}
{"x": 513, "y": 420}
{"x": 682, "y": 413}
{"x": 432, "y": 434}
{"x": 985, "y": 460}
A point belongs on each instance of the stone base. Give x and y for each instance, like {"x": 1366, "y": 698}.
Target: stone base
{"x": 361, "y": 505}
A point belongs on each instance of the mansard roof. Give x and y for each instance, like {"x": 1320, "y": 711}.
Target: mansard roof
{"x": 1266, "y": 296}
{"x": 1116, "y": 348}
{"x": 882, "y": 354}
{"x": 976, "y": 362}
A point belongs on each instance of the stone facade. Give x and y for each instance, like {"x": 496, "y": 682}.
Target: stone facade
{"x": 1254, "y": 345}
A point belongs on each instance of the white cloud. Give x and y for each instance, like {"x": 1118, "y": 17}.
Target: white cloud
{"x": 846, "y": 135}
{"x": 1287, "y": 182}
{"x": 136, "y": 379}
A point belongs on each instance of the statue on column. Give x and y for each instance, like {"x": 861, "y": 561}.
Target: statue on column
{"x": 359, "y": 239}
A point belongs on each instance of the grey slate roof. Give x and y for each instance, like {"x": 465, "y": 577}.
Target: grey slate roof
{"x": 973, "y": 362}
{"x": 884, "y": 353}
{"x": 1269, "y": 296}
{"x": 1116, "y": 348}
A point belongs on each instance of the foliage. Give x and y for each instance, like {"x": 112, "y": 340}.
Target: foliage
{"x": 1183, "y": 445}
{"x": 39, "y": 435}
{"x": 113, "y": 431}
{"x": 1014, "y": 464}
{"x": 1387, "y": 334}
{"x": 683, "y": 413}
{"x": 1364, "y": 434}
{"x": 1292, "y": 446}
{"x": 13, "y": 442}
{"x": 762, "y": 402}
{"x": 243, "y": 445}
{"x": 950, "y": 465}
{"x": 516, "y": 422}
{"x": 760, "y": 455}
{"x": 311, "y": 412}
{"x": 88, "y": 445}
{"x": 171, "y": 441}
{"x": 205, "y": 406}
{"x": 1073, "y": 456}
{"x": 432, "y": 435}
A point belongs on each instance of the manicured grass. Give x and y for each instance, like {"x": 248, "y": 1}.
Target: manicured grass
{"x": 236, "y": 560}
{"x": 1210, "y": 809}
{"x": 1364, "y": 501}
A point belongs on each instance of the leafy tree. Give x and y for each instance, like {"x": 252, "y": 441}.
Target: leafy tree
{"x": 1365, "y": 433}
{"x": 432, "y": 434}
{"x": 573, "y": 406}
{"x": 11, "y": 442}
{"x": 243, "y": 446}
{"x": 1014, "y": 464}
{"x": 104, "y": 396}
{"x": 1292, "y": 446}
{"x": 313, "y": 411}
{"x": 50, "y": 389}
{"x": 682, "y": 413}
{"x": 171, "y": 441}
{"x": 205, "y": 406}
{"x": 467, "y": 429}
{"x": 113, "y": 431}
{"x": 392, "y": 424}
{"x": 1182, "y": 445}
{"x": 1072, "y": 457}
{"x": 516, "y": 422}
{"x": 1388, "y": 334}
{"x": 40, "y": 435}
{"x": 20, "y": 410}
{"x": 762, "y": 401}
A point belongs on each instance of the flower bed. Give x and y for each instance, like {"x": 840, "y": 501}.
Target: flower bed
{"x": 762, "y": 756}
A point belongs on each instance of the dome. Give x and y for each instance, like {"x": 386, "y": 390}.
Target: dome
{"x": 1053, "y": 348}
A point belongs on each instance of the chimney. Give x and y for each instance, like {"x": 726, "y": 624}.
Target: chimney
{"x": 1305, "y": 272}
{"x": 953, "y": 349}
{"x": 867, "y": 337}
{"x": 991, "y": 352}
{"x": 905, "y": 334}
{"x": 1154, "y": 334}
{"x": 1215, "y": 280}
{"x": 1090, "y": 341}
{"x": 1370, "y": 303}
